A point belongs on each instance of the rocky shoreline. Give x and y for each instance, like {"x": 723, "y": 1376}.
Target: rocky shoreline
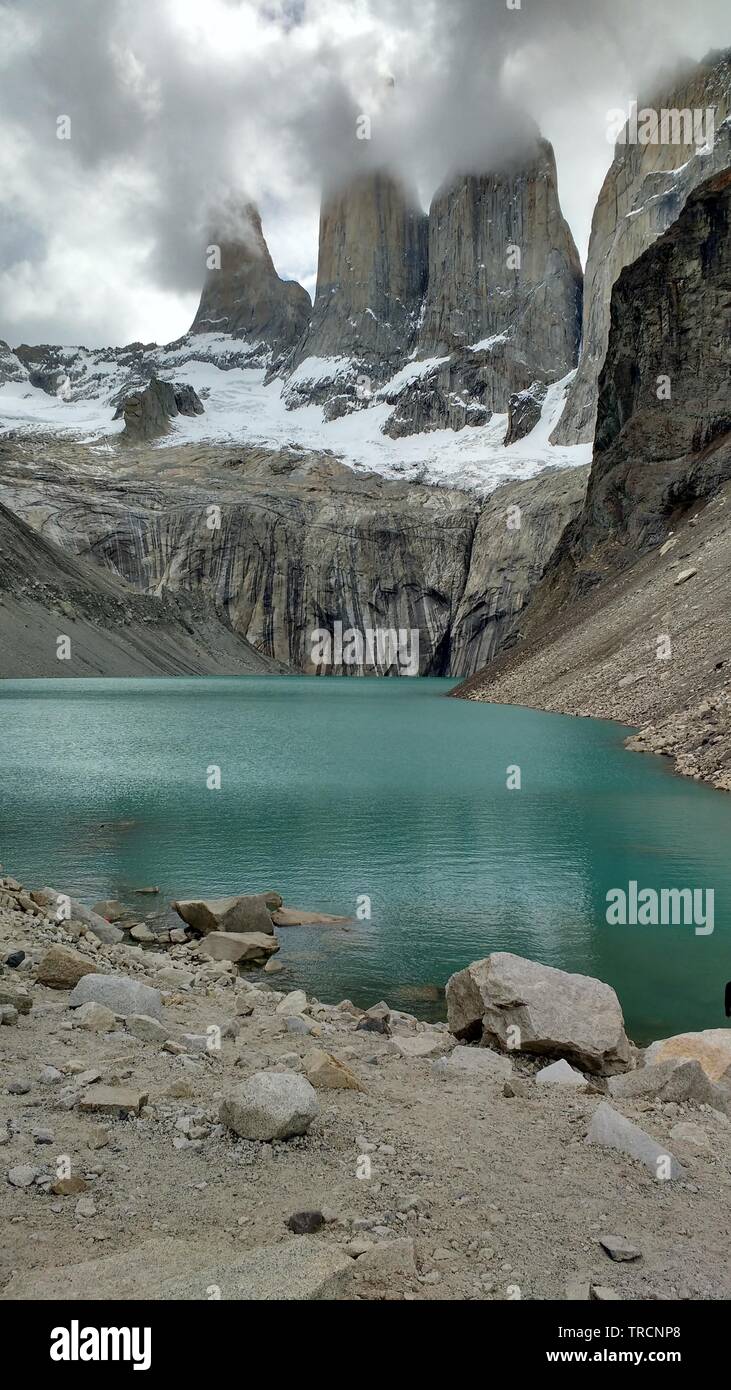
{"x": 172, "y": 1127}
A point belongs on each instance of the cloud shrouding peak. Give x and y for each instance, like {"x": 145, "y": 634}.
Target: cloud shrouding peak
{"x": 177, "y": 108}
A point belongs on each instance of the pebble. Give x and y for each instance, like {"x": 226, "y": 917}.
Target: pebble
{"x": 619, "y": 1249}
{"x": 43, "y": 1136}
{"x": 50, "y": 1076}
{"x": 85, "y": 1207}
{"x": 15, "y": 959}
{"x": 19, "y": 1088}
{"x": 8, "y": 1015}
{"x": 305, "y": 1223}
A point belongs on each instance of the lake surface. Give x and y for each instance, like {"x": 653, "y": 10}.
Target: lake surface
{"x": 333, "y": 789}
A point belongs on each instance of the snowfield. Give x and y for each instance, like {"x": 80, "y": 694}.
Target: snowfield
{"x": 240, "y": 410}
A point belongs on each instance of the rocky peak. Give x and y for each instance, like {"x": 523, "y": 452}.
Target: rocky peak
{"x": 503, "y": 303}
{"x": 245, "y": 297}
{"x": 643, "y": 193}
{"x": 371, "y": 277}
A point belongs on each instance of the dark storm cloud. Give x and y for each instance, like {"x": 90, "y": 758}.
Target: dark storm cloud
{"x": 175, "y": 105}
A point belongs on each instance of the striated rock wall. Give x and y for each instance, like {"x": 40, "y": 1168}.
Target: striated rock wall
{"x": 371, "y": 277}
{"x": 643, "y": 193}
{"x": 518, "y": 530}
{"x": 503, "y": 302}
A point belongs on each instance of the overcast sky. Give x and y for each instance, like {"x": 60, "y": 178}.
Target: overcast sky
{"x": 176, "y": 104}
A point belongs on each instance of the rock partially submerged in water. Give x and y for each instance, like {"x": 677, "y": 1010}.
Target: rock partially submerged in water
{"x": 70, "y": 909}
{"x": 241, "y": 947}
{"x": 300, "y": 917}
{"x": 245, "y": 912}
{"x": 527, "y": 1007}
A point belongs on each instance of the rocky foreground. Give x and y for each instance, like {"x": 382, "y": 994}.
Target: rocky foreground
{"x": 172, "y": 1128}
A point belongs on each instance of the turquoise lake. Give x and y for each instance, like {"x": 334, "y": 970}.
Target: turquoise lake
{"x": 333, "y": 789}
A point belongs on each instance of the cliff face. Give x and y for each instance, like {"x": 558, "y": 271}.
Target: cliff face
{"x": 371, "y": 276}
{"x": 503, "y": 303}
{"x": 518, "y": 530}
{"x": 643, "y": 193}
{"x": 246, "y": 297}
{"x": 301, "y": 543}
{"x": 113, "y": 630}
{"x": 647, "y": 557}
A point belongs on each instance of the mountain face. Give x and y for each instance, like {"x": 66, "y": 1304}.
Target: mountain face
{"x": 113, "y": 630}
{"x": 503, "y": 303}
{"x": 247, "y": 299}
{"x": 371, "y": 277}
{"x": 643, "y": 193}
{"x": 632, "y": 618}
{"x": 301, "y": 543}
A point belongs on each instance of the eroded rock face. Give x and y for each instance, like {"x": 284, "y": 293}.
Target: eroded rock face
{"x": 518, "y": 530}
{"x": 371, "y": 277}
{"x": 527, "y": 1007}
{"x": 246, "y": 297}
{"x": 644, "y": 192}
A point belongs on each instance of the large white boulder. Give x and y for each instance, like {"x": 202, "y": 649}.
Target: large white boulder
{"x": 118, "y": 993}
{"x": 528, "y": 1007}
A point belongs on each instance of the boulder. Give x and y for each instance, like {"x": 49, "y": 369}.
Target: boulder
{"x": 117, "y": 992}
{"x": 611, "y": 1130}
{"x": 240, "y": 947}
{"x": 327, "y": 1073}
{"x": 62, "y": 968}
{"x": 671, "y": 1080}
{"x": 245, "y": 913}
{"x": 141, "y": 932}
{"x": 270, "y": 1105}
{"x": 551, "y": 1012}
{"x": 711, "y": 1048}
{"x": 111, "y": 909}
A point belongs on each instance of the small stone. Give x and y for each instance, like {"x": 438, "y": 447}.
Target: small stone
{"x": 293, "y": 1003}
{"x": 326, "y": 1072}
{"x": 19, "y": 1088}
{"x": 98, "y": 1139}
{"x": 42, "y": 1136}
{"x": 377, "y": 1019}
{"x": 17, "y": 998}
{"x": 690, "y": 1133}
{"x": 272, "y": 966}
{"x": 8, "y": 1015}
{"x": 619, "y": 1249}
{"x": 96, "y": 1018}
{"x": 561, "y": 1073}
{"x": 148, "y": 1029}
{"x": 69, "y": 1187}
{"x": 600, "y": 1293}
{"x": 684, "y": 576}
{"x": 178, "y": 936}
{"x": 140, "y": 932}
{"x": 23, "y": 1176}
{"x": 195, "y": 1042}
{"x": 14, "y": 959}
{"x": 113, "y": 1100}
{"x": 305, "y": 1223}
{"x": 50, "y": 1076}
{"x": 85, "y": 1207}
